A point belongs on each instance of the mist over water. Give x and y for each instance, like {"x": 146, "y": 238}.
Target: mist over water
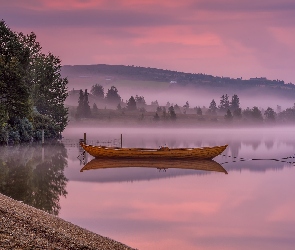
{"x": 182, "y": 209}
{"x": 149, "y": 208}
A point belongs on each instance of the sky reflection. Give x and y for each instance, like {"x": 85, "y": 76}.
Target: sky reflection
{"x": 251, "y": 207}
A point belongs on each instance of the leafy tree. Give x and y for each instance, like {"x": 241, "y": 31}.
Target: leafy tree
{"x": 172, "y": 113}
{"x": 98, "y": 91}
{"x": 140, "y": 102}
{"x": 256, "y": 114}
{"x": 29, "y": 78}
{"x": 131, "y": 104}
{"x": 112, "y": 96}
{"x": 14, "y": 67}
{"x": 159, "y": 109}
{"x": 287, "y": 115}
{"x": 119, "y": 107}
{"x": 212, "y": 107}
{"x": 50, "y": 90}
{"x": 270, "y": 114}
{"x": 155, "y": 103}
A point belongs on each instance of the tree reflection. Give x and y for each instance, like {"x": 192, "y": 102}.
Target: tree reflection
{"x": 34, "y": 174}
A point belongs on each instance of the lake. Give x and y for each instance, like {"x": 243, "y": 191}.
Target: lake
{"x": 251, "y": 207}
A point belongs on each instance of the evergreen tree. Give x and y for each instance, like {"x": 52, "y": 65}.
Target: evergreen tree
{"x": 80, "y": 108}
{"x": 235, "y": 103}
{"x": 212, "y": 107}
{"x": 228, "y": 116}
{"x": 94, "y": 109}
{"x": 199, "y": 111}
{"x": 224, "y": 103}
{"x": 131, "y": 104}
{"x": 156, "y": 117}
{"x": 86, "y": 106}
{"x": 237, "y": 113}
{"x": 172, "y": 113}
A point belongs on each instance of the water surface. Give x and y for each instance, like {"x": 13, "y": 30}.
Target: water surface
{"x": 251, "y": 207}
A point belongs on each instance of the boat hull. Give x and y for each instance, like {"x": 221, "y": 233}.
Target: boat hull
{"x": 205, "y": 165}
{"x": 205, "y": 153}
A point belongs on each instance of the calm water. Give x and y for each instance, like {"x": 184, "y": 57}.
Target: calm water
{"x": 251, "y": 207}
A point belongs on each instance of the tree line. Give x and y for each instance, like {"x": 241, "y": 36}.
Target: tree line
{"x": 32, "y": 91}
{"x": 228, "y": 108}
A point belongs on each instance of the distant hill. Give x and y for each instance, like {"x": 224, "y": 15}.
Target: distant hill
{"x": 161, "y": 75}
{"x": 153, "y": 79}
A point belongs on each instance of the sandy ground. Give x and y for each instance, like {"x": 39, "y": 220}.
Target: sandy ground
{"x": 25, "y": 227}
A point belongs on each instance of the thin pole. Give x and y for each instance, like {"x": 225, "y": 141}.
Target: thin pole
{"x": 85, "y": 138}
{"x": 121, "y": 141}
{"x": 42, "y": 136}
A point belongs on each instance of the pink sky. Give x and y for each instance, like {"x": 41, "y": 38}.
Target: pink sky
{"x": 233, "y": 38}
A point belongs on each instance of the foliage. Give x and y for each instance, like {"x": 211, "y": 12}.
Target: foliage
{"x": 43, "y": 122}
{"x": 270, "y": 114}
{"x": 83, "y": 109}
{"x": 140, "y": 102}
{"x": 50, "y": 91}
{"x": 112, "y": 96}
{"x": 98, "y": 91}
{"x": 172, "y": 113}
{"x": 235, "y": 102}
{"x": 228, "y": 116}
{"x": 94, "y": 109}
{"x": 186, "y": 105}
{"x": 14, "y": 65}
{"x": 28, "y": 78}
{"x": 199, "y": 111}
{"x": 131, "y": 104}
{"x": 156, "y": 117}
{"x": 176, "y": 109}
{"x": 224, "y": 103}
{"x": 253, "y": 114}
{"x": 212, "y": 108}
{"x": 237, "y": 113}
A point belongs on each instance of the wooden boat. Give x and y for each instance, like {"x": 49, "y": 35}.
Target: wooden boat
{"x": 206, "y": 165}
{"x": 205, "y": 153}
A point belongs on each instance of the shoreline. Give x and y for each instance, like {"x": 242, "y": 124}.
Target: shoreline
{"x": 25, "y": 227}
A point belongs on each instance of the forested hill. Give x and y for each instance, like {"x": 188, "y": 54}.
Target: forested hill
{"x": 178, "y": 78}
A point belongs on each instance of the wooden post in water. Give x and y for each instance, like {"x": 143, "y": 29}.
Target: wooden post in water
{"x": 121, "y": 141}
{"x": 42, "y": 136}
{"x": 85, "y": 138}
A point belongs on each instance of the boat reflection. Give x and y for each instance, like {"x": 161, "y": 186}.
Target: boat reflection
{"x": 204, "y": 165}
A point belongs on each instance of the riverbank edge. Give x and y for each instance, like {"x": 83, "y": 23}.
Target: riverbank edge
{"x": 25, "y": 227}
